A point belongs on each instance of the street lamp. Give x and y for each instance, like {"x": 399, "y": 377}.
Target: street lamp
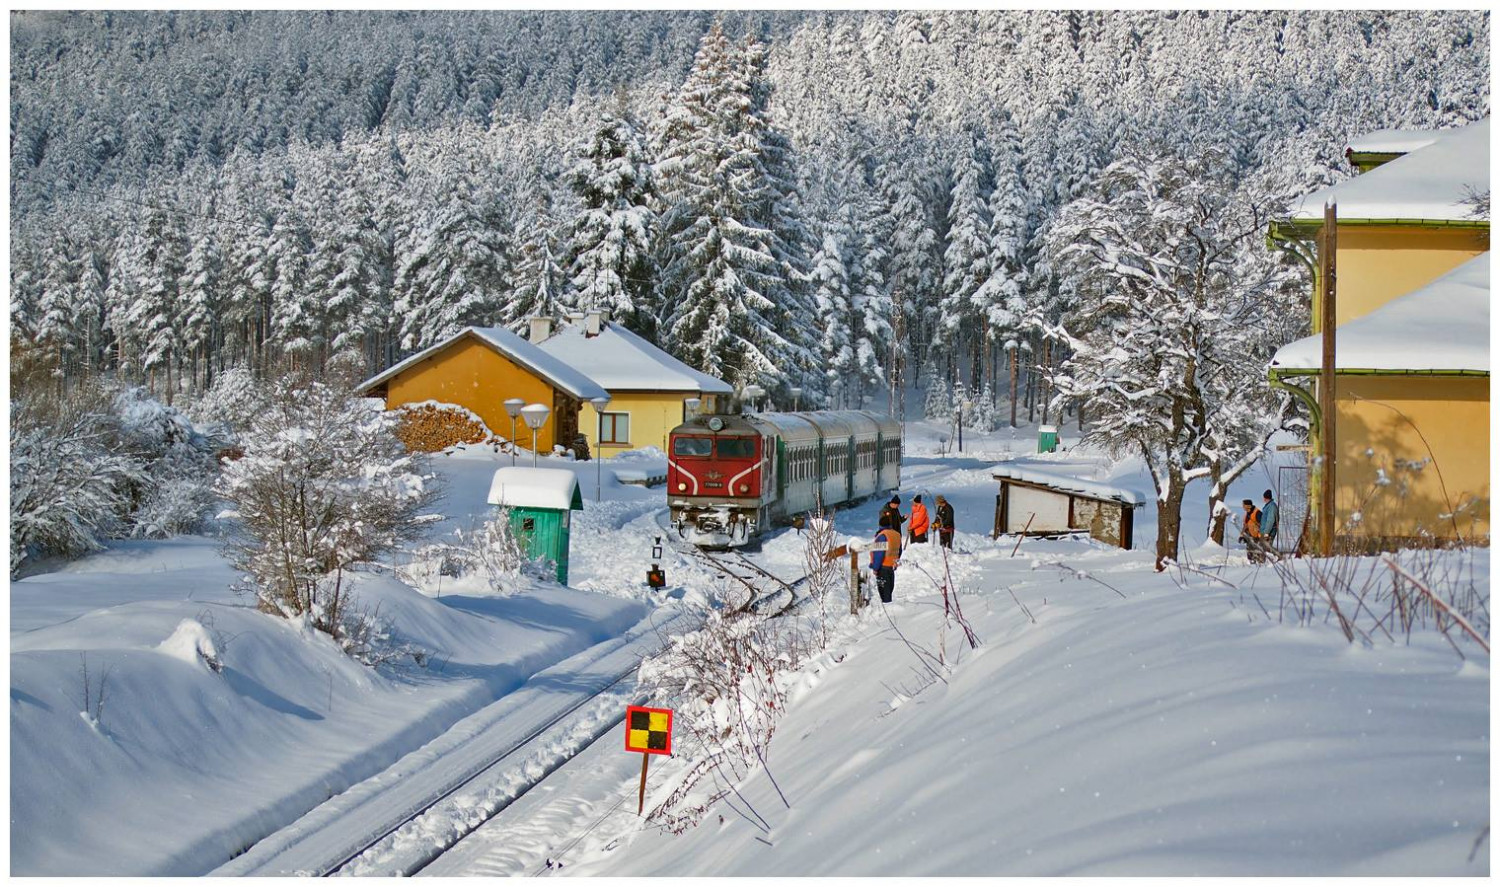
{"x": 796, "y": 397}
{"x": 965, "y": 402}
{"x": 513, "y": 407}
{"x": 536, "y": 416}
{"x": 754, "y": 393}
{"x": 599, "y": 404}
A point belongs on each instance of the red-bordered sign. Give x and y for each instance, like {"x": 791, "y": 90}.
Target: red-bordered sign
{"x": 648, "y": 730}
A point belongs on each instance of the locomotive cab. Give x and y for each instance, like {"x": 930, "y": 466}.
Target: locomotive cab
{"x": 717, "y": 474}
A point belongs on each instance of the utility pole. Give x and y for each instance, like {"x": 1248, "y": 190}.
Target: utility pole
{"x": 1327, "y": 395}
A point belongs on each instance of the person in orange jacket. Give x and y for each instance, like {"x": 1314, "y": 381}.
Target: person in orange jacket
{"x": 920, "y": 522}
{"x": 885, "y": 556}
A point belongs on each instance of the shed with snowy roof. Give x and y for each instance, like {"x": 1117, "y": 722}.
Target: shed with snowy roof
{"x": 1040, "y": 503}
{"x": 1411, "y": 287}
{"x": 540, "y": 503}
{"x": 649, "y": 389}
{"x": 479, "y": 368}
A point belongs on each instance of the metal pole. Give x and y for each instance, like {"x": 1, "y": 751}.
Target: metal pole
{"x": 1327, "y": 379}
{"x": 533, "y": 448}
{"x": 599, "y": 458}
{"x": 960, "y": 408}
{"x": 512, "y": 441}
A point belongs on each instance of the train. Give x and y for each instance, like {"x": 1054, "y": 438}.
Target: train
{"x": 730, "y": 477}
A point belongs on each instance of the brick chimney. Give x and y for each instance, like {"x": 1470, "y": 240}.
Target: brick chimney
{"x": 541, "y": 328}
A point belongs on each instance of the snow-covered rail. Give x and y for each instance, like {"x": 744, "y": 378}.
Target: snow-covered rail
{"x": 519, "y": 739}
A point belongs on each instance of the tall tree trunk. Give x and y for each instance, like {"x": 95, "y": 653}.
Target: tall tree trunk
{"x": 1218, "y": 515}
{"x": 1169, "y": 520}
{"x": 1043, "y": 389}
{"x": 1014, "y": 370}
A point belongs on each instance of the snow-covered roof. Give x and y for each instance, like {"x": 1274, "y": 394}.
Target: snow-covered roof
{"x": 521, "y": 352}
{"x": 535, "y": 488}
{"x": 1444, "y": 326}
{"x": 1394, "y": 141}
{"x": 620, "y": 360}
{"x": 1068, "y": 484}
{"x": 1431, "y": 183}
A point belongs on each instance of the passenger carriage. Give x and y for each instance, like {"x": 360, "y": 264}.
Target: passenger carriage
{"x": 731, "y": 477}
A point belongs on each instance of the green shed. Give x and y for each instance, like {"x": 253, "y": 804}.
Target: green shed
{"x": 541, "y": 502}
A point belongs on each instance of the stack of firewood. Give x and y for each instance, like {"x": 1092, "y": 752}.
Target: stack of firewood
{"x": 428, "y": 428}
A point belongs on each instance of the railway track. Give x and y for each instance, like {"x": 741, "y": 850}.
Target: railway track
{"x": 515, "y": 743}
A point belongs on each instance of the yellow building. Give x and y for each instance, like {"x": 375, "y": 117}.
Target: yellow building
{"x": 480, "y": 368}
{"x": 1412, "y": 337}
{"x": 651, "y": 392}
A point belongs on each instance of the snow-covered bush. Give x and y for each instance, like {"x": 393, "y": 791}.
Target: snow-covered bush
{"x": 323, "y": 486}
{"x": 178, "y": 459}
{"x": 70, "y": 484}
{"x": 229, "y": 405}
{"x": 728, "y": 684}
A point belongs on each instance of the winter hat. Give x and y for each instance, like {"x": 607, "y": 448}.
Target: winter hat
{"x": 918, "y": 499}
{"x": 895, "y": 499}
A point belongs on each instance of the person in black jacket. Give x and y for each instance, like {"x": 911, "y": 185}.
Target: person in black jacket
{"x": 944, "y": 522}
{"x": 892, "y": 511}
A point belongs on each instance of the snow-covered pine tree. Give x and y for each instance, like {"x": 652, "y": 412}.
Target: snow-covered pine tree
{"x": 540, "y": 282}
{"x": 1170, "y": 321}
{"x": 721, "y": 272}
{"x": 830, "y": 280}
{"x": 870, "y": 300}
{"x": 957, "y": 333}
{"x": 610, "y": 245}
{"x": 202, "y": 288}
{"x": 938, "y": 406}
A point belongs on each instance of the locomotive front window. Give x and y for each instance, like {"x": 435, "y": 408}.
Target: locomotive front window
{"x": 693, "y": 446}
{"x": 736, "y": 447}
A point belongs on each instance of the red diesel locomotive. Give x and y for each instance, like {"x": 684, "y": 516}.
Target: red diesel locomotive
{"x": 731, "y": 477}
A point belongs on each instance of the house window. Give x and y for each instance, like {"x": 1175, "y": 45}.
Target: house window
{"x": 614, "y": 428}
{"x": 528, "y": 524}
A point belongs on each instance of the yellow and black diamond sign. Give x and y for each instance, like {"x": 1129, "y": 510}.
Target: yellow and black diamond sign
{"x": 648, "y": 730}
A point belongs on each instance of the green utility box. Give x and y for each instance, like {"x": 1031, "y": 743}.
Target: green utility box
{"x": 1046, "y": 439}
{"x": 541, "y": 503}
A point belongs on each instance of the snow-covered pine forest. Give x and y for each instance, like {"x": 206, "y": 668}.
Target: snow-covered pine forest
{"x": 845, "y": 202}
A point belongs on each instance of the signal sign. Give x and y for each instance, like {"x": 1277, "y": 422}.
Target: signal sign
{"x": 648, "y": 730}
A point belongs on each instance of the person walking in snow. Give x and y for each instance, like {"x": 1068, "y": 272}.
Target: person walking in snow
{"x": 885, "y": 556}
{"x": 1250, "y": 532}
{"x": 1268, "y": 516}
{"x": 892, "y": 511}
{"x": 920, "y": 523}
{"x": 944, "y": 523}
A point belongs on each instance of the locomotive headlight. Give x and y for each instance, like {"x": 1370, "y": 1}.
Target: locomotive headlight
{"x": 744, "y": 488}
{"x": 681, "y": 486}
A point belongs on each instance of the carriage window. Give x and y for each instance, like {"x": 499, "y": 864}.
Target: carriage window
{"x": 736, "y": 447}
{"x": 692, "y": 446}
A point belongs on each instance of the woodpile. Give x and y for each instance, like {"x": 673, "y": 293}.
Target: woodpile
{"x": 431, "y": 427}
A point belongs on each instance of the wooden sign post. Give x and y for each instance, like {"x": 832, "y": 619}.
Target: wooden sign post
{"x": 648, "y": 731}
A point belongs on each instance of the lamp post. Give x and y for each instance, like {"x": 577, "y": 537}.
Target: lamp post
{"x": 754, "y": 393}
{"x": 513, "y": 407}
{"x": 796, "y": 397}
{"x": 599, "y": 404}
{"x": 536, "y": 416}
{"x": 960, "y": 408}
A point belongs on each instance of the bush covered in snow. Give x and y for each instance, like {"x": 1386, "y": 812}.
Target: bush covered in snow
{"x": 102, "y": 463}
{"x": 324, "y": 485}
{"x": 229, "y": 405}
{"x": 70, "y": 483}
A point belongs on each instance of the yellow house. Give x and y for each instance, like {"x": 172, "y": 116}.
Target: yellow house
{"x": 1412, "y": 337}
{"x": 482, "y": 367}
{"x": 650, "y": 391}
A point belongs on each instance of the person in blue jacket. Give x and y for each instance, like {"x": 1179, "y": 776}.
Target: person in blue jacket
{"x": 885, "y": 556}
{"x": 1268, "y": 517}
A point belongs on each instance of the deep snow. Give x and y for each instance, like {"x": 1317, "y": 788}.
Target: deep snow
{"x": 1175, "y": 730}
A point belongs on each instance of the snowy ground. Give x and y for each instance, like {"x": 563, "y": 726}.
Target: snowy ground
{"x": 1177, "y": 729}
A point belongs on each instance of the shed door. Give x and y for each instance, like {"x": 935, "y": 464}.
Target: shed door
{"x": 1051, "y": 510}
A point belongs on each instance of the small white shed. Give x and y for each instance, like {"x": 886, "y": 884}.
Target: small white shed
{"x": 1039, "y": 503}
